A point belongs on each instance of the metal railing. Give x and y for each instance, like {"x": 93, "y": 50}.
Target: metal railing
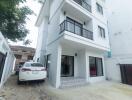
{"x": 84, "y": 4}
{"x": 76, "y": 29}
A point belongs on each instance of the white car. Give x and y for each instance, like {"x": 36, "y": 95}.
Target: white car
{"x": 32, "y": 71}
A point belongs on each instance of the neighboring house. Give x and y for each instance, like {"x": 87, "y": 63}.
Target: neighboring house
{"x": 120, "y": 29}
{"x": 7, "y": 60}
{"x": 22, "y": 54}
{"x": 72, "y": 40}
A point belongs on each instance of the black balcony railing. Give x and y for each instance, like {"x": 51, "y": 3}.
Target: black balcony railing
{"x": 76, "y": 29}
{"x": 84, "y": 4}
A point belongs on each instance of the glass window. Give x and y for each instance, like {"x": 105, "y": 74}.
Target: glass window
{"x": 96, "y": 66}
{"x": 67, "y": 66}
{"x": 101, "y": 31}
{"x": 78, "y": 28}
{"x": 99, "y": 8}
{"x": 70, "y": 24}
{"x": 74, "y": 26}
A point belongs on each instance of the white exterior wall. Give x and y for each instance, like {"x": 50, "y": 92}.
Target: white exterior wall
{"x": 54, "y": 29}
{"x": 81, "y": 64}
{"x": 120, "y": 32}
{"x": 55, "y": 63}
{"x": 42, "y": 41}
{"x": 9, "y": 61}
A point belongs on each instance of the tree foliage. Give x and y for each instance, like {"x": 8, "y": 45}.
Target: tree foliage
{"x": 13, "y": 19}
{"x": 27, "y": 42}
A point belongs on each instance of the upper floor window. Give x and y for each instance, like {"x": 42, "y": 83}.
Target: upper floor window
{"x": 99, "y": 8}
{"x": 18, "y": 56}
{"x": 101, "y": 31}
{"x": 30, "y": 57}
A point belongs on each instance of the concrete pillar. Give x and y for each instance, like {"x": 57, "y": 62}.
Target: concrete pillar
{"x": 87, "y": 68}
{"x": 58, "y": 72}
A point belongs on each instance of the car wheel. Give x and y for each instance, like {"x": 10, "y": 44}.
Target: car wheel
{"x": 42, "y": 81}
{"x": 19, "y": 82}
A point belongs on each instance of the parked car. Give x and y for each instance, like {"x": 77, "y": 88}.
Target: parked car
{"x": 32, "y": 71}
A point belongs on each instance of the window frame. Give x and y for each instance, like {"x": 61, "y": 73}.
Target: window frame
{"x": 100, "y": 8}
{"x": 102, "y": 32}
{"x": 96, "y": 66}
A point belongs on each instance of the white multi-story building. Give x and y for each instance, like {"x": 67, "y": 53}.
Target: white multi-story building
{"x": 120, "y": 29}
{"x": 73, "y": 36}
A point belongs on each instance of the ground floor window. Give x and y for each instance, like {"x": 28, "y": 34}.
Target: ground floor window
{"x": 96, "y": 66}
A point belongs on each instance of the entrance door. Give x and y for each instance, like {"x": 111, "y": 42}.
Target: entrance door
{"x": 126, "y": 73}
{"x": 2, "y": 62}
{"x": 67, "y": 66}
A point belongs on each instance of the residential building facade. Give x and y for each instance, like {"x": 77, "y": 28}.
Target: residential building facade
{"x": 22, "y": 54}
{"x": 119, "y": 62}
{"x": 7, "y": 60}
{"x": 73, "y": 37}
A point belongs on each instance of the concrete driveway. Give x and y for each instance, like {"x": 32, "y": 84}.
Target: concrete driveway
{"x": 99, "y": 91}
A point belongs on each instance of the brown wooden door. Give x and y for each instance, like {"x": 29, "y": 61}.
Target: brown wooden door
{"x": 126, "y": 73}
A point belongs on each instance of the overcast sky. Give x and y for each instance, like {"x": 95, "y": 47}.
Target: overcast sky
{"x": 33, "y": 34}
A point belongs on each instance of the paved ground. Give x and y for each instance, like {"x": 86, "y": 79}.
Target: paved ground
{"x": 100, "y": 91}
{"x": 32, "y": 91}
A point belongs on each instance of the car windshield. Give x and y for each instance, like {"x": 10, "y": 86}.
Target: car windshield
{"x": 27, "y": 65}
{"x": 36, "y": 65}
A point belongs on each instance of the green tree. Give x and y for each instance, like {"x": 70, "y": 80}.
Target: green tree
{"x": 27, "y": 42}
{"x": 13, "y": 19}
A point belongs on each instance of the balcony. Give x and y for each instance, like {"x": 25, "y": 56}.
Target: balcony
{"x": 75, "y": 29}
{"x": 84, "y": 4}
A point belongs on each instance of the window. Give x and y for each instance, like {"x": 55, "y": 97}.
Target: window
{"x": 74, "y": 26}
{"x": 24, "y": 51}
{"x": 18, "y": 56}
{"x": 96, "y": 66}
{"x": 99, "y": 8}
{"x": 101, "y": 31}
{"x": 30, "y": 57}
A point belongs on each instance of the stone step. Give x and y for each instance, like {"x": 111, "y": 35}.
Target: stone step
{"x": 73, "y": 85}
{"x": 72, "y": 82}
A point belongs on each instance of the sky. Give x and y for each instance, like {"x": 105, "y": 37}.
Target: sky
{"x": 33, "y": 30}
